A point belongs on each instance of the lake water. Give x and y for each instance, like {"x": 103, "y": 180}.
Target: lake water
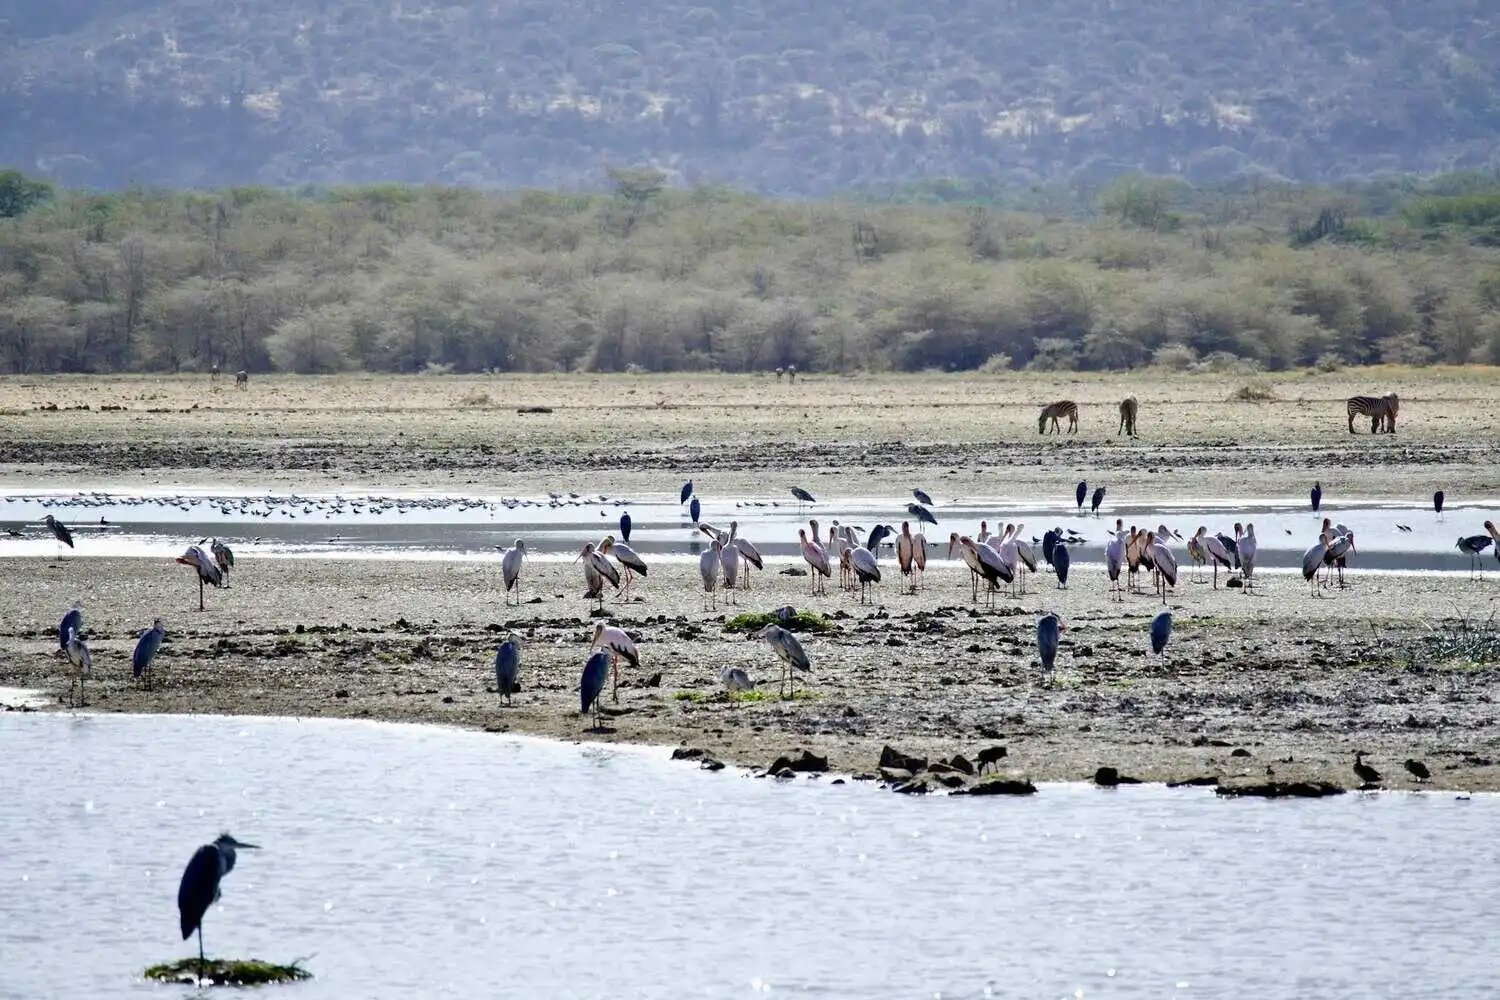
{"x": 410, "y": 862}
{"x": 449, "y": 527}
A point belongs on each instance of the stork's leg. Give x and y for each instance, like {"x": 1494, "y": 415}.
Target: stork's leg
{"x": 201, "y": 961}
{"x": 614, "y": 668}
{"x": 200, "y": 593}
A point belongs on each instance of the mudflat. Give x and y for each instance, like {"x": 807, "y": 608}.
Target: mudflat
{"x": 1278, "y": 685}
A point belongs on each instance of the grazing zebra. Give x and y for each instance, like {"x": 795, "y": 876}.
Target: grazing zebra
{"x": 1381, "y": 410}
{"x": 1128, "y": 408}
{"x": 242, "y": 379}
{"x": 1054, "y": 412}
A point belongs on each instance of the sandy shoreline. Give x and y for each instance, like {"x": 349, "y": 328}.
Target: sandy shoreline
{"x": 926, "y": 674}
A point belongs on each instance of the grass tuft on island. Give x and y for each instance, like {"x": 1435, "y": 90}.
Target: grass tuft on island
{"x": 799, "y": 621}
{"x": 222, "y": 972}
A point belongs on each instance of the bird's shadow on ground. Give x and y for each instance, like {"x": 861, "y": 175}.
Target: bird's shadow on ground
{"x": 601, "y": 730}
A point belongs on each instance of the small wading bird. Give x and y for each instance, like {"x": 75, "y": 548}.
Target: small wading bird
{"x": 207, "y": 568}
{"x": 508, "y": 667}
{"x": 1161, "y": 631}
{"x": 793, "y": 657}
{"x": 510, "y": 569}
{"x": 617, "y": 643}
{"x": 60, "y": 532}
{"x": 145, "y": 652}
{"x": 591, "y": 685}
{"x": 83, "y": 665}
{"x": 1047, "y": 631}
{"x": 1473, "y": 546}
{"x": 803, "y": 497}
{"x": 634, "y": 564}
{"x": 199, "y": 888}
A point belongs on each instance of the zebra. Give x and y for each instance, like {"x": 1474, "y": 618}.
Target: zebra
{"x": 1381, "y": 411}
{"x": 242, "y": 379}
{"x": 1054, "y": 412}
{"x": 1128, "y": 408}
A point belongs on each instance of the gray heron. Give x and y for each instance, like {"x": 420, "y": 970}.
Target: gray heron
{"x": 71, "y": 625}
{"x": 817, "y": 561}
{"x": 145, "y": 651}
{"x": 1048, "y": 629}
{"x": 199, "y": 888}
{"x": 83, "y": 665}
{"x": 206, "y": 568}
{"x": 1473, "y": 546}
{"x": 803, "y": 497}
{"x": 922, "y": 498}
{"x": 510, "y": 569}
{"x": 591, "y": 686}
{"x": 1161, "y": 631}
{"x": 617, "y": 643}
{"x": 921, "y": 513}
{"x": 793, "y": 657}
{"x": 60, "y": 532}
{"x": 633, "y": 563}
{"x": 736, "y": 680}
{"x": 508, "y": 667}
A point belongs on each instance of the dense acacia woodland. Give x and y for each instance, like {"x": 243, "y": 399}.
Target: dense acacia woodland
{"x": 392, "y": 278}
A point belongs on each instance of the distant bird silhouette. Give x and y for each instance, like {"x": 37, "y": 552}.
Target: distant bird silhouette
{"x": 1317, "y": 496}
{"x": 922, "y": 498}
{"x": 1473, "y": 546}
{"x": 1098, "y": 499}
{"x": 625, "y": 527}
{"x": 1161, "y": 631}
{"x": 687, "y": 491}
{"x": 803, "y": 496}
{"x": 1364, "y": 771}
{"x": 1060, "y": 561}
{"x": 1437, "y": 504}
{"x": 1081, "y": 493}
{"x": 1418, "y": 770}
{"x": 694, "y": 509}
{"x": 1047, "y": 632}
{"x": 508, "y": 667}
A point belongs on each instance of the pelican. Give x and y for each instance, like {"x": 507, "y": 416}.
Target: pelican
{"x": 708, "y": 570}
{"x": 508, "y": 667}
{"x": 510, "y": 569}
{"x": 208, "y": 570}
{"x": 617, "y": 642}
{"x": 789, "y": 650}
{"x": 817, "y": 561}
{"x": 634, "y": 564}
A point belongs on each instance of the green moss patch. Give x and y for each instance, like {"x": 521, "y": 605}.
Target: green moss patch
{"x": 219, "y": 972}
{"x": 802, "y": 621}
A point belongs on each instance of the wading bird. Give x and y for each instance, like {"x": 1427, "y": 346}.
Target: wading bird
{"x": 1247, "y": 550}
{"x": 71, "y": 625}
{"x": 793, "y": 657}
{"x": 749, "y": 554}
{"x": 1338, "y": 554}
{"x": 687, "y": 491}
{"x": 1098, "y": 499}
{"x": 596, "y": 571}
{"x": 922, "y": 498}
{"x": 1473, "y": 546}
{"x": 866, "y": 570}
{"x": 802, "y": 497}
{"x": 1047, "y": 632}
{"x": 625, "y": 526}
{"x": 1495, "y": 536}
{"x": 508, "y": 667}
{"x": 1317, "y": 496}
{"x": 1081, "y": 494}
{"x": 1060, "y": 562}
{"x": 694, "y": 509}
{"x": 83, "y": 665}
{"x": 145, "y": 652}
{"x": 1165, "y": 565}
{"x": 817, "y": 561}
{"x": 199, "y": 888}
{"x": 736, "y": 680}
{"x": 634, "y": 564}
{"x": 1161, "y": 631}
{"x": 729, "y": 562}
{"x": 60, "y": 532}
{"x": 223, "y": 558}
{"x": 1312, "y": 560}
{"x": 1216, "y": 553}
{"x": 208, "y": 571}
{"x": 510, "y": 569}
{"x": 617, "y": 642}
{"x": 1437, "y": 504}
{"x": 906, "y": 556}
{"x": 921, "y": 513}
{"x": 591, "y": 686}
{"x": 1114, "y": 559}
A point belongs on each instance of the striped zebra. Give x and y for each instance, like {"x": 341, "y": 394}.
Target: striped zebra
{"x": 1054, "y": 412}
{"x": 1128, "y": 408}
{"x": 1380, "y": 409}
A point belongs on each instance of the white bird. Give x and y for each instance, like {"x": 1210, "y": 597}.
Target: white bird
{"x": 708, "y": 570}
{"x": 1218, "y": 554}
{"x": 634, "y": 564}
{"x": 1024, "y": 554}
{"x": 866, "y": 570}
{"x": 83, "y": 665}
{"x": 619, "y": 645}
{"x": 748, "y": 553}
{"x": 1247, "y": 554}
{"x": 969, "y": 552}
{"x": 1166, "y": 566}
{"x": 207, "y": 568}
{"x": 919, "y": 556}
{"x": 816, "y": 559}
{"x": 596, "y": 571}
{"x": 906, "y": 555}
{"x": 729, "y": 560}
{"x": 1197, "y": 553}
{"x": 1114, "y": 558}
{"x": 736, "y": 680}
{"x": 1312, "y": 560}
{"x": 510, "y": 569}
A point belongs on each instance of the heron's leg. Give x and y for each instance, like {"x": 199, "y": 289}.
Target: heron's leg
{"x": 201, "y": 961}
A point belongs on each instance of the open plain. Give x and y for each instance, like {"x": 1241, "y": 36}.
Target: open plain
{"x": 1277, "y": 684}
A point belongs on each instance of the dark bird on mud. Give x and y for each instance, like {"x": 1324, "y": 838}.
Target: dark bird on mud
{"x": 625, "y": 527}
{"x": 1060, "y": 562}
{"x": 687, "y": 491}
{"x": 591, "y": 685}
{"x": 1437, "y": 504}
{"x": 60, "y": 532}
{"x": 1098, "y": 499}
{"x": 1081, "y": 493}
{"x": 145, "y": 651}
{"x": 694, "y": 509}
{"x": 1047, "y": 631}
{"x": 922, "y": 498}
{"x": 1161, "y": 631}
{"x": 508, "y": 667}
{"x": 1473, "y": 546}
{"x": 71, "y": 625}
{"x": 802, "y": 497}
{"x": 1317, "y": 496}
{"x": 1364, "y": 771}
{"x": 199, "y": 888}
{"x": 921, "y": 513}
{"x": 1418, "y": 770}
{"x": 1050, "y": 541}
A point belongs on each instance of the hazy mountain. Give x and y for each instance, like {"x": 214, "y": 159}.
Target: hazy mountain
{"x": 772, "y": 95}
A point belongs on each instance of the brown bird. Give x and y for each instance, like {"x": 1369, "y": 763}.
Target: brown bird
{"x": 1364, "y": 771}
{"x": 1418, "y": 770}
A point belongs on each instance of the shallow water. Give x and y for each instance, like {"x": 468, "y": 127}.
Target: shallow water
{"x": 422, "y": 862}
{"x": 450, "y": 527}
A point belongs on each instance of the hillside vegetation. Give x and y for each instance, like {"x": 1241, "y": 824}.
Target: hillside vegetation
{"x": 394, "y": 278}
{"x": 766, "y": 95}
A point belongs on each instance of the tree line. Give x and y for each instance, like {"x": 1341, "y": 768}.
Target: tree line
{"x": 396, "y": 278}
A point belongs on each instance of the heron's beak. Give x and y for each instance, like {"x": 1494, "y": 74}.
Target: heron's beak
{"x": 241, "y": 843}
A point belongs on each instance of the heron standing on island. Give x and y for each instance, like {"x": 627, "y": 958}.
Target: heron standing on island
{"x": 199, "y": 888}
